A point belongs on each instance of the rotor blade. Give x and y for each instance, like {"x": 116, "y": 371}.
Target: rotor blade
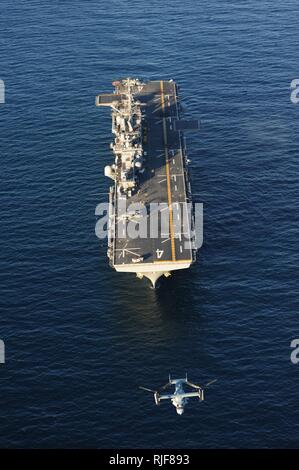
{"x": 148, "y": 389}
{"x": 210, "y": 383}
{"x": 192, "y": 385}
{"x": 165, "y": 386}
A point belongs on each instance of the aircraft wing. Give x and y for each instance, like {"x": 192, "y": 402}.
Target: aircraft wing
{"x": 190, "y": 394}
{"x": 167, "y": 397}
{"x": 182, "y": 395}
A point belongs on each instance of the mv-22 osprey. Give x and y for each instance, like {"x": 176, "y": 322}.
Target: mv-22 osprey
{"x": 179, "y": 397}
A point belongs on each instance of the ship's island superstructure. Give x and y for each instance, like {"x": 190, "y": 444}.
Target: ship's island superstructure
{"x": 150, "y": 168}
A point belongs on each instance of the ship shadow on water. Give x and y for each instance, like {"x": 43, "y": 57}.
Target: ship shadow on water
{"x": 177, "y": 296}
{"x": 170, "y": 310}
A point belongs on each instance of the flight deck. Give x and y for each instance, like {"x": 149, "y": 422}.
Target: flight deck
{"x": 151, "y": 180}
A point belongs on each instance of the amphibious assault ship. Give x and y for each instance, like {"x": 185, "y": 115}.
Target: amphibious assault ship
{"x": 151, "y": 227}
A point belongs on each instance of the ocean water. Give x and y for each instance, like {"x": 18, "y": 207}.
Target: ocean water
{"x": 81, "y": 338}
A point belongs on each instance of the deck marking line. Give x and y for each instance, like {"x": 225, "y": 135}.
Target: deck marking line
{"x": 167, "y": 173}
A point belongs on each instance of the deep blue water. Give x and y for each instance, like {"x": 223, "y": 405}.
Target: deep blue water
{"x": 79, "y": 337}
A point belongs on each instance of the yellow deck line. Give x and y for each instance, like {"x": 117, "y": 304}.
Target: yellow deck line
{"x": 169, "y": 261}
{"x": 168, "y": 175}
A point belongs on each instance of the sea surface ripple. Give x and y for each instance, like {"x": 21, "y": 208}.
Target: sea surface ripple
{"x": 81, "y": 338}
